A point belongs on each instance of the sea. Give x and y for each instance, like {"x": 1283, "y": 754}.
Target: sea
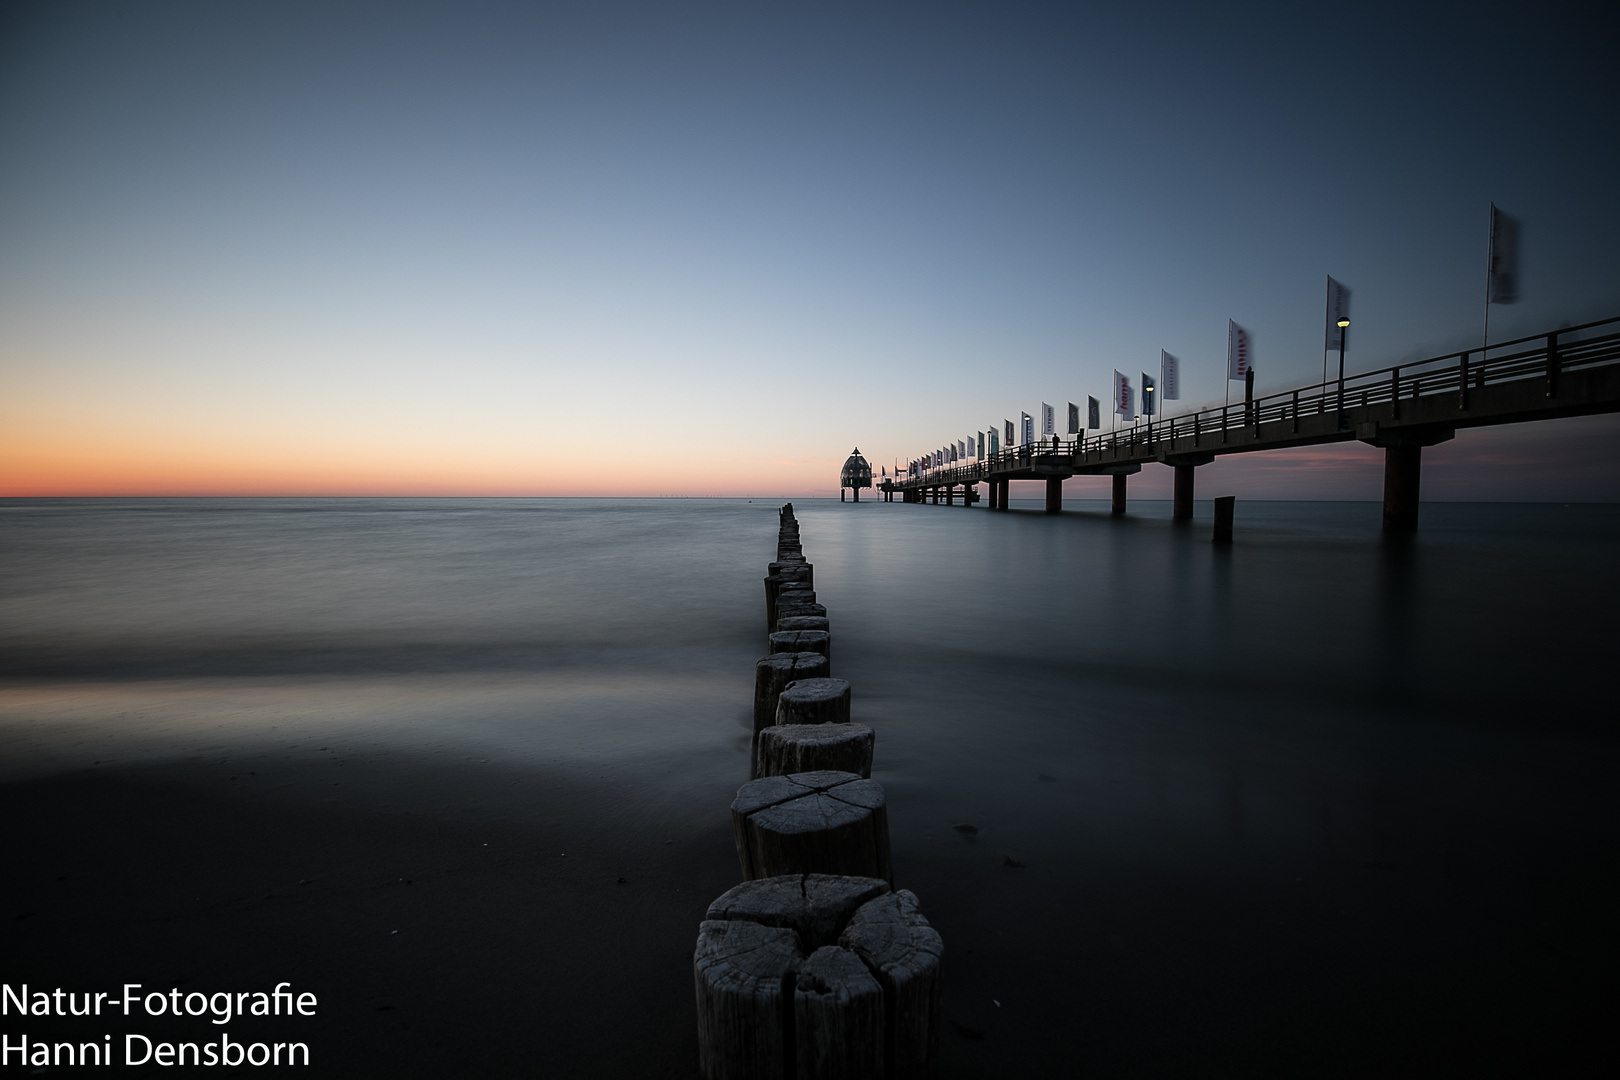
{"x": 1164, "y": 798}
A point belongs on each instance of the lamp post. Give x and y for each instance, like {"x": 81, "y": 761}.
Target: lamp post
{"x": 1344, "y": 332}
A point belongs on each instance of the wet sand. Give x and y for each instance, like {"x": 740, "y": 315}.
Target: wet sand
{"x": 462, "y": 941}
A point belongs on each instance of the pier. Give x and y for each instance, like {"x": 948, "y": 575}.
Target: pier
{"x": 1571, "y": 371}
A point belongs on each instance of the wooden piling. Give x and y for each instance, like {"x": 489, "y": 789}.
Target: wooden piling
{"x": 793, "y": 607}
{"x": 1054, "y": 494}
{"x": 802, "y": 622}
{"x": 1119, "y": 493}
{"x": 795, "y": 748}
{"x": 802, "y": 641}
{"x": 906, "y": 954}
{"x": 838, "y": 1018}
{"x": 1224, "y": 507}
{"x": 834, "y": 1011}
{"x": 772, "y": 673}
{"x": 826, "y": 822}
{"x": 745, "y": 973}
{"x": 816, "y": 907}
{"x": 815, "y": 700}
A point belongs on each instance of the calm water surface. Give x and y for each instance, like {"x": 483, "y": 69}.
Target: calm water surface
{"x": 1311, "y": 772}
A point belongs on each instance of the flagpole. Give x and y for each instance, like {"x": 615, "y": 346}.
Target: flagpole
{"x": 1226, "y": 380}
{"x": 1327, "y": 300}
{"x": 1490, "y": 255}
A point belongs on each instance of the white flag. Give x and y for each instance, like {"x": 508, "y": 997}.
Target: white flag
{"x": 1239, "y": 351}
{"x": 1169, "y": 377}
{"x": 1026, "y": 428}
{"x": 1338, "y": 307}
{"x": 1124, "y": 396}
{"x": 1048, "y": 422}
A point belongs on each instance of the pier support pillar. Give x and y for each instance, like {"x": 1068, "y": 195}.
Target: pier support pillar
{"x": 995, "y": 495}
{"x": 1403, "y": 468}
{"x": 1119, "y": 493}
{"x": 1181, "y": 508}
{"x": 840, "y": 494}
{"x": 1054, "y": 494}
{"x": 1006, "y": 493}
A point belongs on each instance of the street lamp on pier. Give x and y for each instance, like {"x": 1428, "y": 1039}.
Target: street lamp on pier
{"x": 1344, "y": 332}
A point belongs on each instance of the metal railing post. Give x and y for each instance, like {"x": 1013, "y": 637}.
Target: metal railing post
{"x": 1553, "y": 364}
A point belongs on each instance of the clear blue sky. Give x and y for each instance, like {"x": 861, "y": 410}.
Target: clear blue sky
{"x": 708, "y": 247}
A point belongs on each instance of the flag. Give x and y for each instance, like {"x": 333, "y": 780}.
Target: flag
{"x": 1011, "y": 439}
{"x": 1048, "y": 420}
{"x": 1074, "y": 419}
{"x": 1338, "y": 307}
{"x": 961, "y": 449}
{"x": 981, "y": 445}
{"x": 1148, "y": 407}
{"x": 1170, "y": 375}
{"x": 995, "y": 441}
{"x": 1239, "y": 351}
{"x": 1026, "y": 428}
{"x": 1504, "y": 258}
{"x": 1124, "y": 398}
{"x": 1093, "y": 413}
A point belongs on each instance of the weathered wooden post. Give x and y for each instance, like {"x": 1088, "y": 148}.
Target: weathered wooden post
{"x": 1223, "y": 518}
{"x": 793, "y": 607}
{"x": 813, "y": 701}
{"x": 817, "y": 976}
{"x": 803, "y": 622}
{"x": 802, "y": 641}
{"x": 772, "y": 673}
{"x": 1119, "y": 493}
{"x": 906, "y": 955}
{"x": 796, "y": 748}
{"x": 812, "y": 823}
{"x": 744, "y": 973}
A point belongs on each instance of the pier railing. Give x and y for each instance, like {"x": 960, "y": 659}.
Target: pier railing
{"x": 1539, "y": 356}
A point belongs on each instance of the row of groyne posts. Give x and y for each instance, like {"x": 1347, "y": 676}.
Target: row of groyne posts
{"x": 815, "y": 966}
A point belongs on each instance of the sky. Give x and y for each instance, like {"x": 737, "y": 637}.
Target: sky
{"x": 707, "y": 249}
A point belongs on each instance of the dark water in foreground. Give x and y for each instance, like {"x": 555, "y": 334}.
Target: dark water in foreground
{"x": 1344, "y": 804}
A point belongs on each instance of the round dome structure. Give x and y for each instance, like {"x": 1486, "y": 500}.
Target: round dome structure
{"x": 856, "y": 474}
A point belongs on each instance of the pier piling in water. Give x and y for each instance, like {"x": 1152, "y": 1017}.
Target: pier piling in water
{"x": 1181, "y": 509}
{"x": 1224, "y": 507}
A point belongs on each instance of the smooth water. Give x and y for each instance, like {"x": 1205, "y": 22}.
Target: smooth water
{"x": 1310, "y": 772}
